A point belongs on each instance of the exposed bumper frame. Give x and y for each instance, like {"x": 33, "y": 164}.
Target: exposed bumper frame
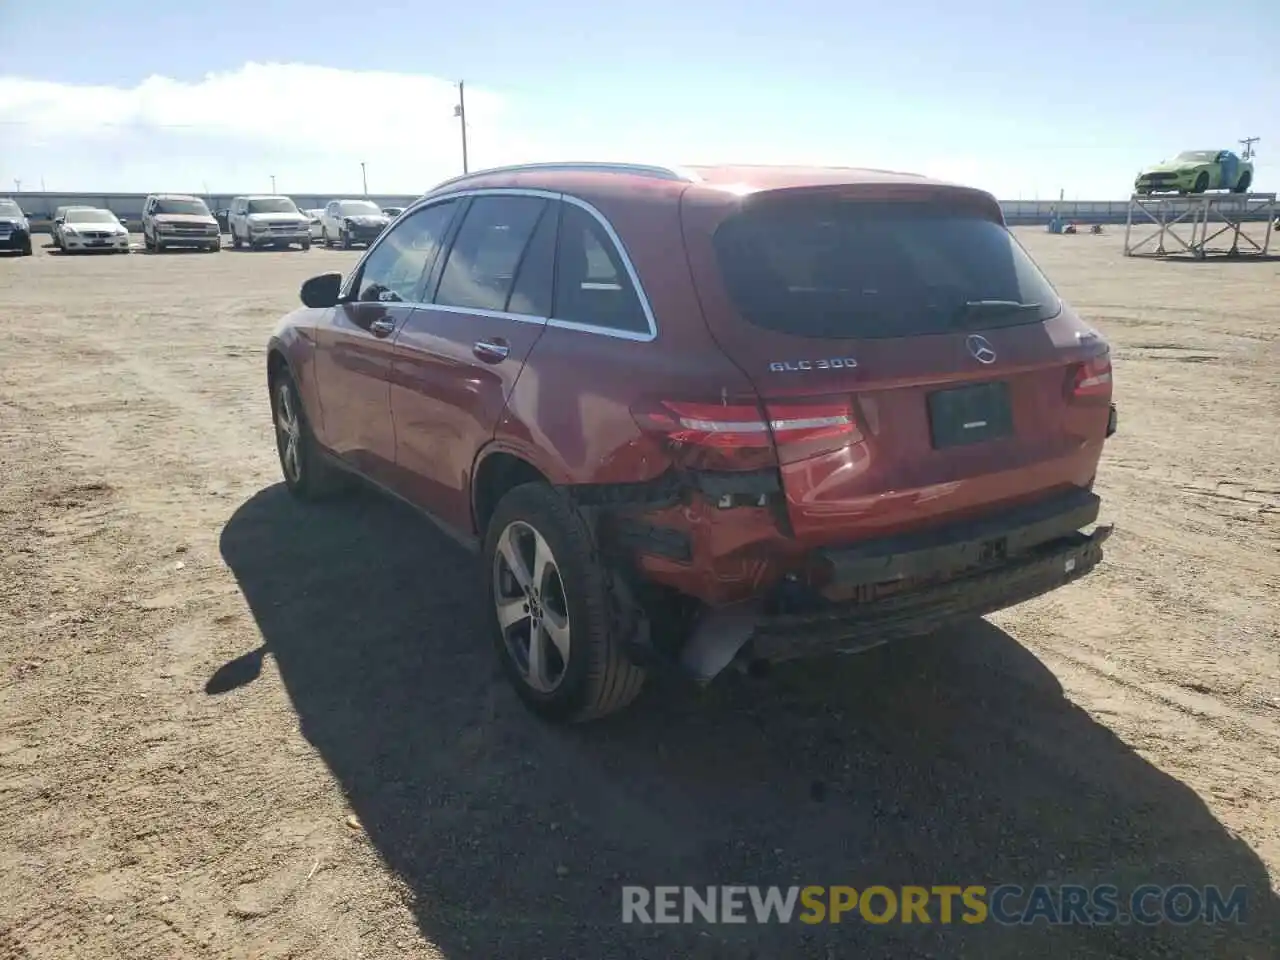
{"x": 964, "y": 571}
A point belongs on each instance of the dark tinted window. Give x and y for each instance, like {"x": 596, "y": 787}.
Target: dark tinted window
{"x": 272, "y": 205}
{"x": 481, "y": 268}
{"x": 191, "y": 208}
{"x": 531, "y": 294}
{"x": 832, "y": 269}
{"x": 592, "y": 285}
{"x": 397, "y": 267}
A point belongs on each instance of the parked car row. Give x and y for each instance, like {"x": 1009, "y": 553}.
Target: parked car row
{"x": 172, "y": 220}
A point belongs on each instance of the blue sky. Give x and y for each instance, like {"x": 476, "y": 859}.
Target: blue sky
{"x": 1021, "y": 98}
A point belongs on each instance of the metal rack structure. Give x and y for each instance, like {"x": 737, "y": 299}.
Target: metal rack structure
{"x": 1225, "y": 212}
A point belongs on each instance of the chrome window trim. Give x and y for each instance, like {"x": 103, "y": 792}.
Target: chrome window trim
{"x": 491, "y": 314}
{"x": 636, "y": 336}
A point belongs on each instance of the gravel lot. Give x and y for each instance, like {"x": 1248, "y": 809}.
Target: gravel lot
{"x": 232, "y": 726}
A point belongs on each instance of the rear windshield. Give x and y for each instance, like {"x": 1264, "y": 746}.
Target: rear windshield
{"x": 863, "y": 269}
{"x": 191, "y": 208}
{"x": 358, "y": 208}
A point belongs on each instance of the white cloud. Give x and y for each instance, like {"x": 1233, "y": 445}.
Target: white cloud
{"x": 310, "y": 126}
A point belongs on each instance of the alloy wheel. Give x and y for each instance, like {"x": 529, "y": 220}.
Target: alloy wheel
{"x": 288, "y": 432}
{"x": 533, "y": 613}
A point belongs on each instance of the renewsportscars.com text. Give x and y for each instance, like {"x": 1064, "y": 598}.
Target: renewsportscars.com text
{"x": 1005, "y": 904}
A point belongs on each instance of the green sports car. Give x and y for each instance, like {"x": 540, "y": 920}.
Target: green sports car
{"x": 1195, "y": 171}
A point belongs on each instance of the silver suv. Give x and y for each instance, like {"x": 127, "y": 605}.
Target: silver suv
{"x": 268, "y": 222}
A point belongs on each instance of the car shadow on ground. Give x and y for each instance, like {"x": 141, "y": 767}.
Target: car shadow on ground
{"x": 954, "y": 759}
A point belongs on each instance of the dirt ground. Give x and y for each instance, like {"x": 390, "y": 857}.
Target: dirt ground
{"x": 232, "y": 726}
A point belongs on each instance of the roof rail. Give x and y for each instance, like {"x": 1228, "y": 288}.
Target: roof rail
{"x": 586, "y": 166}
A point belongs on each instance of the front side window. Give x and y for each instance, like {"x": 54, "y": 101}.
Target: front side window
{"x": 828, "y": 268}
{"x": 482, "y": 264}
{"x": 190, "y": 208}
{"x": 592, "y": 285}
{"x": 396, "y": 268}
{"x": 272, "y": 205}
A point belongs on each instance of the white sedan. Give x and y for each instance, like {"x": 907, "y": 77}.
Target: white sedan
{"x": 92, "y": 228}
{"x": 317, "y": 223}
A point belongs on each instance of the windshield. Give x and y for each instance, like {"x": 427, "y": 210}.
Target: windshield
{"x": 91, "y": 216}
{"x": 1199, "y": 156}
{"x": 191, "y": 208}
{"x": 273, "y": 205}
{"x": 849, "y": 269}
{"x": 9, "y": 209}
{"x": 358, "y": 208}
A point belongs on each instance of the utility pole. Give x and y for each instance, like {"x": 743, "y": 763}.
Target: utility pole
{"x": 460, "y": 111}
{"x": 364, "y": 178}
{"x": 273, "y": 183}
{"x": 17, "y": 185}
{"x": 1248, "y": 143}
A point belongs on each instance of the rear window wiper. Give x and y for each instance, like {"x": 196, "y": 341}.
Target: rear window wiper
{"x": 987, "y": 308}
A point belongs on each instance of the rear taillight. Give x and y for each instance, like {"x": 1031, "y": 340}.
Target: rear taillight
{"x": 802, "y": 430}
{"x": 741, "y": 436}
{"x": 1091, "y": 378}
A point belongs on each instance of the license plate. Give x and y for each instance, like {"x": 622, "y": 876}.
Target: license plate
{"x": 5, "y": 236}
{"x": 972, "y": 414}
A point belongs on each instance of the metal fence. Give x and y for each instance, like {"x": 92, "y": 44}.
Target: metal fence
{"x": 39, "y": 207}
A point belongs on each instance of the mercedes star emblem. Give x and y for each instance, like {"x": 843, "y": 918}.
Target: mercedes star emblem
{"x": 981, "y": 349}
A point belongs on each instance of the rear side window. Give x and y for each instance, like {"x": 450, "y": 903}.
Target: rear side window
{"x": 861, "y": 269}
{"x": 482, "y": 264}
{"x": 592, "y": 285}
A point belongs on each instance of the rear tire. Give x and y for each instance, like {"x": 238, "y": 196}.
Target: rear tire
{"x": 235, "y": 238}
{"x": 308, "y": 474}
{"x": 345, "y": 240}
{"x": 573, "y": 606}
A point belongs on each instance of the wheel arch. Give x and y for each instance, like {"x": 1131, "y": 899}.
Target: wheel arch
{"x": 499, "y": 469}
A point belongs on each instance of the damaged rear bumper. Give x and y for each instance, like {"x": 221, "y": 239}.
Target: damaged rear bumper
{"x": 1037, "y": 552}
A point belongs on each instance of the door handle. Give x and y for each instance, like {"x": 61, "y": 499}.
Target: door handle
{"x": 491, "y": 351}
{"x": 382, "y": 328}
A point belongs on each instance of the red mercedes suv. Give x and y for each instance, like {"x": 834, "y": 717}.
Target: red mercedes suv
{"x": 707, "y": 416}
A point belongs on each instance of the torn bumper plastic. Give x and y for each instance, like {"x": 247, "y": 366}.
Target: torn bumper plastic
{"x": 748, "y": 633}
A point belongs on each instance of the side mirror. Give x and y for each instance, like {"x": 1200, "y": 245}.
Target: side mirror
{"x": 322, "y": 291}
{"x": 60, "y": 221}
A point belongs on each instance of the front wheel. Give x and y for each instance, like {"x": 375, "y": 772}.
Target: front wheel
{"x": 307, "y": 474}
{"x": 1244, "y": 183}
{"x": 26, "y": 250}
{"x": 1201, "y": 184}
{"x": 552, "y": 609}
{"x": 306, "y": 244}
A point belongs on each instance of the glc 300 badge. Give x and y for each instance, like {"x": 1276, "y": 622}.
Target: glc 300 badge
{"x": 830, "y": 363}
